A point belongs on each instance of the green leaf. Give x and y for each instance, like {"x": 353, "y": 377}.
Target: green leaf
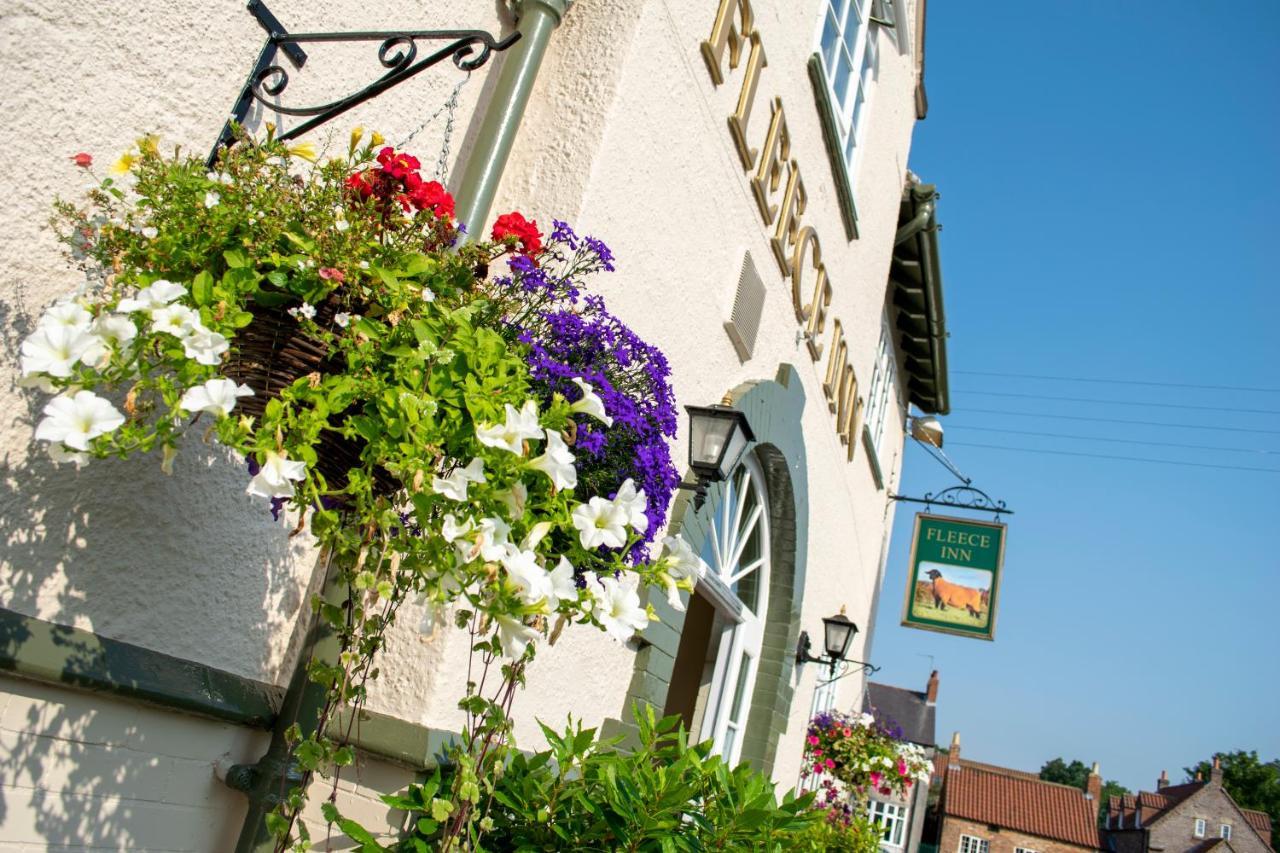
{"x": 235, "y": 259}
{"x": 202, "y": 288}
{"x": 330, "y": 812}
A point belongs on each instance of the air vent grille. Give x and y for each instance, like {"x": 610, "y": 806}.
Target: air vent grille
{"x": 748, "y": 305}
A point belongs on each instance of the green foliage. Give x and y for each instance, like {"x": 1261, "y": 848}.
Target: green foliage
{"x": 1076, "y": 774}
{"x": 666, "y": 795}
{"x": 1251, "y": 782}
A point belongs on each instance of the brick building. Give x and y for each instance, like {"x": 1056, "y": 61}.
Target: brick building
{"x": 989, "y": 809}
{"x": 1197, "y": 816}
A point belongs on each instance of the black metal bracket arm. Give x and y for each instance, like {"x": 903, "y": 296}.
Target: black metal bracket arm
{"x": 804, "y": 654}
{"x": 959, "y": 497}
{"x": 397, "y": 53}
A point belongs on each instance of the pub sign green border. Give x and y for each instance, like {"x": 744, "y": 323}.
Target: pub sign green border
{"x": 913, "y": 572}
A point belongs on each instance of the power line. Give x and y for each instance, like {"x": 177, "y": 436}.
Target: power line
{"x": 1117, "y": 402}
{"x": 1124, "y": 421}
{"x": 1118, "y": 381}
{"x": 1121, "y": 458}
{"x": 1119, "y": 440}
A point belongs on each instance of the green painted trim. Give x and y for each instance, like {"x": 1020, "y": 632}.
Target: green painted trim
{"x": 42, "y": 651}
{"x": 831, "y": 138}
{"x": 418, "y": 746}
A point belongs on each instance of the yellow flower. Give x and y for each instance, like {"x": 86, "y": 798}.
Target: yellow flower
{"x": 357, "y": 133}
{"x": 377, "y": 138}
{"x": 148, "y": 144}
{"x": 126, "y": 162}
{"x": 305, "y": 150}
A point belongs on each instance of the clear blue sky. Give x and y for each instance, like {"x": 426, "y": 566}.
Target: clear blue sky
{"x": 1109, "y": 182}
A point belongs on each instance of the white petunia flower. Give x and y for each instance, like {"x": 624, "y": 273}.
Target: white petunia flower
{"x": 66, "y": 314}
{"x": 149, "y": 231}
{"x": 205, "y": 347}
{"x": 155, "y": 295}
{"x": 493, "y": 538}
{"x": 531, "y": 580}
{"x": 450, "y": 529}
{"x": 520, "y": 425}
{"x": 515, "y": 498}
{"x": 454, "y": 487}
{"x": 275, "y": 478}
{"x": 306, "y": 310}
{"x": 342, "y": 319}
{"x": 633, "y": 503}
{"x": 220, "y": 178}
{"x": 55, "y": 349}
{"x": 211, "y": 199}
{"x": 177, "y": 320}
{"x": 590, "y": 404}
{"x": 217, "y": 397}
{"x": 428, "y": 295}
{"x": 514, "y": 635}
{"x": 557, "y": 463}
{"x": 75, "y": 420}
{"x": 61, "y": 455}
{"x": 115, "y": 329}
{"x": 600, "y": 522}
{"x": 563, "y": 586}
{"x": 617, "y": 606}
{"x": 684, "y": 562}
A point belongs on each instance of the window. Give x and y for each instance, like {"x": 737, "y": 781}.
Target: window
{"x": 1224, "y": 831}
{"x": 970, "y": 844}
{"x": 1200, "y": 827}
{"x": 894, "y": 820}
{"x": 1023, "y": 850}
{"x": 738, "y": 553}
{"x": 882, "y": 399}
{"x": 849, "y": 58}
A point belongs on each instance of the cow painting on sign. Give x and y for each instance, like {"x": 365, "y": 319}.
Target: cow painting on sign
{"x": 947, "y": 594}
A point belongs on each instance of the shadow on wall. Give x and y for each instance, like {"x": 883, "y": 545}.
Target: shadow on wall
{"x": 187, "y": 564}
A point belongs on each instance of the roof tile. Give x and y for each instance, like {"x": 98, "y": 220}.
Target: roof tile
{"x": 1018, "y": 800}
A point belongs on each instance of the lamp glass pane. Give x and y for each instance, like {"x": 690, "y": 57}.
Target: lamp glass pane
{"x": 708, "y": 435}
{"x": 839, "y": 634}
{"x": 737, "y": 444}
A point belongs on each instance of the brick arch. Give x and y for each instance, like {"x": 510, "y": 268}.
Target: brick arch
{"x": 774, "y": 408}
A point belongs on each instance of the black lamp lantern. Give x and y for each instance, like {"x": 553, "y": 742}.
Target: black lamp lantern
{"x": 838, "y": 634}
{"x": 718, "y": 435}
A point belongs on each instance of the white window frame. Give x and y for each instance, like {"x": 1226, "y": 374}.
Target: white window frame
{"x": 974, "y": 844}
{"x": 885, "y": 392}
{"x": 1201, "y": 827}
{"x": 893, "y": 817}
{"x": 1224, "y": 831}
{"x": 850, "y": 26}
{"x": 1023, "y": 850}
{"x": 734, "y": 677}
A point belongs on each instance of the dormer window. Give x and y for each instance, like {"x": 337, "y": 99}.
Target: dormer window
{"x": 1200, "y": 827}
{"x": 1224, "y": 831}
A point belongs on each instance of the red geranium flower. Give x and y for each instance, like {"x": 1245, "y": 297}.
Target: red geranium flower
{"x": 83, "y": 160}
{"x": 359, "y": 184}
{"x": 397, "y": 165}
{"x": 525, "y": 231}
{"x": 431, "y": 195}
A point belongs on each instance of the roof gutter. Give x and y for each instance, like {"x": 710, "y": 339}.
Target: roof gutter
{"x": 931, "y": 272}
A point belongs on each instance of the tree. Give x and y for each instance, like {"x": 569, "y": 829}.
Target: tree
{"x": 1076, "y": 774}
{"x": 1250, "y": 782}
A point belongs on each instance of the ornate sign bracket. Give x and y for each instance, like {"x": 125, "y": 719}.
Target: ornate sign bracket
{"x": 960, "y": 497}
{"x": 397, "y": 53}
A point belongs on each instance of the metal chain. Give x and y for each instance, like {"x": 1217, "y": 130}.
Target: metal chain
{"x": 449, "y": 110}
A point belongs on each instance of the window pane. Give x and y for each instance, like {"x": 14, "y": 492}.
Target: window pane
{"x": 840, "y": 85}
{"x": 744, "y": 667}
{"x": 830, "y": 38}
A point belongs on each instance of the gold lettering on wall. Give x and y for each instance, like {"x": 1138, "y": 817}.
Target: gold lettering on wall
{"x": 835, "y": 362}
{"x": 734, "y": 24}
{"x": 794, "y": 200}
{"x": 746, "y": 100}
{"x": 818, "y": 313}
{"x": 776, "y": 152}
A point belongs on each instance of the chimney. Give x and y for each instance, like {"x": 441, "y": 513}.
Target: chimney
{"x": 1215, "y": 775}
{"x": 1199, "y": 776}
{"x": 931, "y": 691}
{"x": 1163, "y": 781}
{"x": 1093, "y": 785}
{"x": 953, "y": 759}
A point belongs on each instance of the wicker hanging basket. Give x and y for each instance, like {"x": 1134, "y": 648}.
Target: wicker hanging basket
{"x": 270, "y": 354}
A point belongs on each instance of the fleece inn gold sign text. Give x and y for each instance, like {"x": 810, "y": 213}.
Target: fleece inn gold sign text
{"x": 782, "y": 204}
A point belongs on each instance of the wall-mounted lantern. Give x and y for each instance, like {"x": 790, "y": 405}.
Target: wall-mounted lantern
{"x": 718, "y": 436}
{"x": 838, "y": 632}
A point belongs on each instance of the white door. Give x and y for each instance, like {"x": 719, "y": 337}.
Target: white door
{"x": 738, "y": 555}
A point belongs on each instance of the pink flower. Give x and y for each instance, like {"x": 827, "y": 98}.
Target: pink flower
{"x": 82, "y": 160}
{"x": 902, "y": 767}
{"x": 817, "y": 768}
{"x": 875, "y": 778}
{"x": 813, "y": 740}
{"x": 332, "y": 274}
{"x": 831, "y": 765}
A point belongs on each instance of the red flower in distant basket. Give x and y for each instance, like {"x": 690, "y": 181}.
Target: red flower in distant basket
{"x": 431, "y": 195}
{"x": 525, "y": 231}
{"x": 82, "y": 160}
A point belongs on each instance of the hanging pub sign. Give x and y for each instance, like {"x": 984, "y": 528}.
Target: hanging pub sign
{"x": 954, "y": 576}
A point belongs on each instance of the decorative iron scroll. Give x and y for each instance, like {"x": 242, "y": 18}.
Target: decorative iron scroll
{"x": 397, "y": 52}
{"x": 960, "y": 497}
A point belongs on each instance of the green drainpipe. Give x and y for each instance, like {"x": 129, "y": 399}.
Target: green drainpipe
{"x": 488, "y": 158}
{"x": 275, "y": 772}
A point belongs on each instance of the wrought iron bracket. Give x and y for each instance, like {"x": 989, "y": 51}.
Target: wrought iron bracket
{"x": 397, "y": 53}
{"x": 959, "y": 497}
